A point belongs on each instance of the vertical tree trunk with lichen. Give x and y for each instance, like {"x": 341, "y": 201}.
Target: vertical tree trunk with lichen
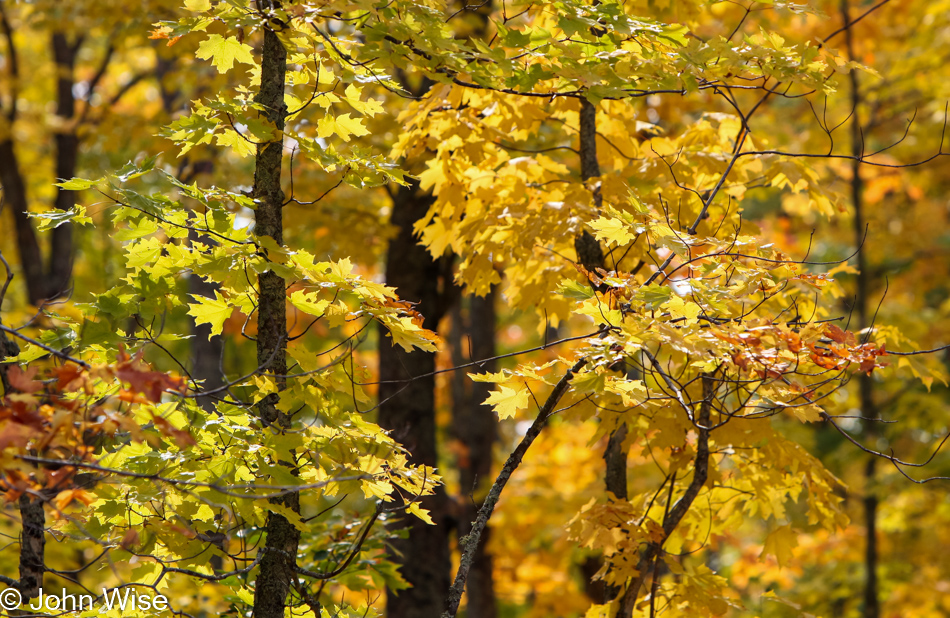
{"x": 279, "y": 562}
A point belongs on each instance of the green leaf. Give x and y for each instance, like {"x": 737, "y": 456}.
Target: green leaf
{"x": 653, "y": 295}
{"x": 77, "y": 184}
{"x": 577, "y": 291}
{"x": 137, "y": 230}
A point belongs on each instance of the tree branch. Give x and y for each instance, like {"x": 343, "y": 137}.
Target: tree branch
{"x": 470, "y": 542}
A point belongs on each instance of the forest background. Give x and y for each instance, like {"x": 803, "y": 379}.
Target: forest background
{"x": 299, "y": 294}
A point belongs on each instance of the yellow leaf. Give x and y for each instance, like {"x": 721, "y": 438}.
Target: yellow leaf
{"x": 407, "y": 334}
{"x": 507, "y": 401}
{"x": 213, "y": 311}
{"x": 343, "y": 125}
{"x": 807, "y": 413}
{"x": 679, "y": 308}
{"x": 380, "y": 489}
{"x": 204, "y": 513}
{"x": 224, "y": 52}
{"x": 308, "y": 302}
{"x": 238, "y": 144}
{"x": 420, "y": 512}
{"x": 598, "y": 611}
{"x": 612, "y": 230}
{"x": 780, "y": 544}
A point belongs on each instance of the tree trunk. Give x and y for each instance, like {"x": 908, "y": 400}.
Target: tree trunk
{"x": 591, "y": 257}
{"x": 32, "y": 563}
{"x": 475, "y": 428}
{"x": 407, "y": 409}
{"x": 14, "y": 196}
{"x": 279, "y": 563}
{"x": 32, "y": 545}
{"x": 67, "y": 152}
{"x": 206, "y": 351}
{"x": 865, "y": 386}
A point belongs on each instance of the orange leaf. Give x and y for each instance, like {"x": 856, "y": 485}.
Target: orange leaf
{"x": 23, "y": 380}
{"x": 130, "y": 539}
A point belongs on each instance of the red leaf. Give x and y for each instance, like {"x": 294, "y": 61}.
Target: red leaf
{"x": 834, "y": 332}
{"x": 16, "y": 435}
{"x": 150, "y": 383}
{"x": 68, "y": 377}
{"x": 23, "y": 380}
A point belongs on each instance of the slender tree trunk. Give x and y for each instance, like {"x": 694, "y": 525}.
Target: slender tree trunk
{"x": 475, "y": 427}
{"x": 67, "y": 151}
{"x": 32, "y": 545}
{"x": 32, "y": 563}
{"x": 279, "y": 563}
{"x": 28, "y": 247}
{"x": 591, "y": 257}
{"x": 14, "y": 187}
{"x": 407, "y": 409}
{"x": 589, "y": 253}
{"x": 865, "y": 385}
{"x": 207, "y": 352}
{"x": 41, "y": 283}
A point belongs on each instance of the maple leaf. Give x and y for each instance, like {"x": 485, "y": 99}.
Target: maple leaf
{"x": 67, "y": 496}
{"x": 55, "y": 478}
{"x": 150, "y": 383}
{"x": 836, "y": 334}
{"x": 507, "y": 401}
{"x": 224, "y": 52}
{"x": 68, "y": 377}
{"x": 182, "y": 437}
{"x": 612, "y": 230}
{"x": 680, "y": 309}
{"x": 16, "y": 435}
{"x": 213, "y": 311}
{"x": 780, "y": 544}
{"x": 161, "y": 32}
{"x": 23, "y": 380}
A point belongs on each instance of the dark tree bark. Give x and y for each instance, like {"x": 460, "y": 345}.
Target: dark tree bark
{"x": 589, "y": 253}
{"x": 872, "y": 607}
{"x": 207, "y": 352}
{"x": 475, "y": 427}
{"x": 32, "y": 545}
{"x": 32, "y": 562}
{"x": 407, "y": 409}
{"x": 67, "y": 154}
{"x": 279, "y": 563}
{"x": 44, "y": 283}
{"x": 591, "y": 257}
{"x": 14, "y": 197}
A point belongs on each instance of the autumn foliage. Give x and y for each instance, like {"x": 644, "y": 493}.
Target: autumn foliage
{"x": 671, "y": 315}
